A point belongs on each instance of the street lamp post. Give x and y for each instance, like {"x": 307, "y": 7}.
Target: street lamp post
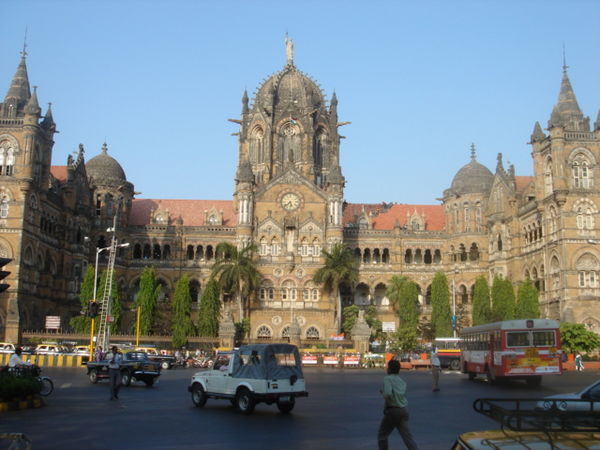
{"x": 454, "y": 302}
{"x": 98, "y": 251}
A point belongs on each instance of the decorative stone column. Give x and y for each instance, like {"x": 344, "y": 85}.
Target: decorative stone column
{"x": 295, "y": 333}
{"x": 361, "y": 332}
{"x": 227, "y": 331}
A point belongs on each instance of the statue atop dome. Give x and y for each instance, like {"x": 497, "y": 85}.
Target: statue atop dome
{"x": 289, "y": 50}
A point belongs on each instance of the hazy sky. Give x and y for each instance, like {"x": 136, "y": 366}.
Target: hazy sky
{"x": 418, "y": 80}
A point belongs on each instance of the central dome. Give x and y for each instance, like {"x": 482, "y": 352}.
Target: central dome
{"x": 473, "y": 178}
{"x": 105, "y": 169}
{"x": 290, "y": 89}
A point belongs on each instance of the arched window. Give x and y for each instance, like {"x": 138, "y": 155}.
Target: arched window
{"x": 290, "y": 143}
{"x": 137, "y": 251}
{"x": 580, "y": 167}
{"x": 209, "y": 253}
{"x": 263, "y": 248}
{"x": 304, "y": 247}
{"x": 478, "y": 216}
{"x": 408, "y": 256}
{"x": 195, "y": 290}
{"x": 285, "y": 332}
{"x": 199, "y": 253}
{"x": 189, "y": 254}
{"x": 257, "y": 145}
{"x": 437, "y": 256}
{"x": 357, "y": 256}
{"x": 427, "y": 257}
{"x": 467, "y": 217}
{"x": 367, "y": 256}
{"x": 312, "y": 333}
{"x": 156, "y": 253}
{"x": 385, "y": 258}
{"x": 463, "y": 252}
{"x": 274, "y": 247}
{"x": 147, "y": 251}
{"x": 585, "y": 211}
{"x": 288, "y": 291}
{"x": 166, "y": 252}
{"x": 555, "y": 272}
{"x": 548, "y": 177}
{"x": 587, "y": 267}
{"x": 264, "y": 332}
{"x": 499, "y": 243}
{"x": 376, "y": 256}
{"x": 316, "y": 247}
{"x": 463, "y": 295}
{"x": 474, "y": 252}
{"x": 4, "y": 207}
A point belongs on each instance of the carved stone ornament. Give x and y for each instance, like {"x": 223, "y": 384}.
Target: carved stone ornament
{"x": 276, "y": 320}
{"x": 301, "y": 320}
{"x": 278, "y": 272}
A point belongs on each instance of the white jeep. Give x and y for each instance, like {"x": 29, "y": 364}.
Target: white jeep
{"x": 269, "y": 373}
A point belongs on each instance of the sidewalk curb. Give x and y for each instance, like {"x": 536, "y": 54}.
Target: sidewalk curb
{"x": 35, "y": 402}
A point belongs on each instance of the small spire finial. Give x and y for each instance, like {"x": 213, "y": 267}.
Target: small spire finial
{"x": 473, "y": 152}
{"x": 24, "y": 51}
{"x": 104, "y": 147}
{"x": 564, "y": 67}
{"x": 289, "y": 50}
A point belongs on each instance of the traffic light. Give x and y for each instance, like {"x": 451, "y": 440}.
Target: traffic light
{"x": 92, "y": 309}
{"x": 4, "y": 273}
{"x": 454, "y": 322}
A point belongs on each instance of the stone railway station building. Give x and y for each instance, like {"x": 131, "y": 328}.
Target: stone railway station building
{"x": 289, "y": 201}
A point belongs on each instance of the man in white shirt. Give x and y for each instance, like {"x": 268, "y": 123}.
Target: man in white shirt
{"x": 435, "y": 369}
{"x": 114, "y": 369}
{"x": 16, "y": 361}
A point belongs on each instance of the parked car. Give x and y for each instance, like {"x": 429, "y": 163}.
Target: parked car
{"x": 575, "y": 401}
{"x": 6, "y": 347}
{"x": 49, "y": 349}
{"x": 269, "y": 373}
{"x": 166, "y": 361}
{"x": 82, "y": 350}
{"x": 135, "y": 366}
{"x": 525, "y": 440}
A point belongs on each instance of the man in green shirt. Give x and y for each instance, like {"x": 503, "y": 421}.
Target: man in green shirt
{"x": 395, "y": 412}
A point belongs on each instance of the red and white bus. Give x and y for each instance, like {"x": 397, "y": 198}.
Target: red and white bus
{"x": 525, "y": 349}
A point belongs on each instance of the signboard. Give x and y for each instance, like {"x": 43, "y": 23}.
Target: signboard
{"x": 52, "y": 322}
{"x": 351, "y": 360}
{"x": 388, "y": 327}
{"x": 309, "y": 359}
{"x": 330, "y": 360}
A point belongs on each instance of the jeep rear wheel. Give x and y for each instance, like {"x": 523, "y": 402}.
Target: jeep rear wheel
{"x": 198, "y": 395}
{"x": 93, "y": 376}
{"x": 165, "y": 365}
{"x": 244, "y": 401}
{"x": 286, "y": 407}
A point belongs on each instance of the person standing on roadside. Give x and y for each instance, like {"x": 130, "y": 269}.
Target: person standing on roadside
{"x": 579, "y": 362}
{"x": 436, "y": 368}
{"x": 395, "y": 411}
{"x": 114, "y": 369}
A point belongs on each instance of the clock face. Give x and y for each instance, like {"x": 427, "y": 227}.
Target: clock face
{"x": 290, "y": 201}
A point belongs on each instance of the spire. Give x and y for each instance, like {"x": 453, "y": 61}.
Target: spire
{"x": 566, "y": 112}
{"x": 48, "y": 121}
{"x": 245, "y": 102}
{"x": 538, "y": 134}
{"x": 473, "y": 152}
{"x": 499, "y": 165}
{"x": 334, "y": 100}
{"x": 289, "y": 50}
{"x": 597, "y": 124}
{"x": 33, "y": 107}
{"x": 244, "y": 173}
{"x": 19, "y": 90}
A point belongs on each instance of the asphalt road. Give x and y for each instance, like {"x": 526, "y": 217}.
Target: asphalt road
{"x": 342, "y": 412}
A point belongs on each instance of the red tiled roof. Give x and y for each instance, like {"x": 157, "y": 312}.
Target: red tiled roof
{"x": 522, "y": 182}
{"x": 191, "y": 211}
{"x": 59, "y": 172}
{"x": 385, "y": 216}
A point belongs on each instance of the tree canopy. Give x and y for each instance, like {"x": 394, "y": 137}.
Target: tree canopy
{"x": 482, "y": 308}
{"x": 503, "y": 300}
{"x": 575, "y": 337}
{"x": 340, "y": 268}
{"x": 236, "y": 273}
{"x": 209, "y": 311}
{"x": 408, "y": 307}
{"x": 441, "y": 316}
{"x": 182, "y": 325}
{"x": 147, "y": 297}
{"x": 528, "y": 305}
{"x": 81, "y": 323}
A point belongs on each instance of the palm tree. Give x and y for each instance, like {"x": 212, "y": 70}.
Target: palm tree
{"x": 394, "y": 290}
{"x": 235, "y": 271}
{"x": 340, "y": 268}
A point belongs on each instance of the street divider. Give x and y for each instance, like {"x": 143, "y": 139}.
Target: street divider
{"x": 49, "y": 360}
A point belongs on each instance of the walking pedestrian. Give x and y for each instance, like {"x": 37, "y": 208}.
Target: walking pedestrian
{"x": 579, "y": 362}
{"x": 114, "y": 370}
{"x": 436, "y": 368}
{"x": 395, "y": 411}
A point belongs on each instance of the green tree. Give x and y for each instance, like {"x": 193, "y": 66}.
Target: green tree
{"x": 340, "y": 268}
{"x": 236, "y": 273}
{"x": 115, "y": 301}
{"x": 209, "y": 311}
{"x": 147, "y": 298}
{"x": 575, "y": 337}
{"x": 408, "y": 307}
{"x": 503, "y": 300}
{"x": 403, "y": 340}
{"x": 441, "y": 319}
{"x": 528, "y": 305}
{"x": 81, "y": 323}
{"x": 182, "y": 326}
{"x": 350, "y": 316}
{"x": 482, "y": 308}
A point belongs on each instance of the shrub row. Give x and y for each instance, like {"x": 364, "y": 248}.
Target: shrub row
{"x": 12, "y": 387}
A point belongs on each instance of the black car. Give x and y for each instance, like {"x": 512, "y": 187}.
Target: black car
{"x": 135, "y": 366}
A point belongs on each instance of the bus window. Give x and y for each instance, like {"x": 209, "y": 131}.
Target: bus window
{"x": 543, "y": 339}
{"x": 517, "y": 339}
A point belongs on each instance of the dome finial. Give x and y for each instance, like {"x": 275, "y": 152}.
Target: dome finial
{"x": 473, "y": 152}
{"x": 289, "y": 50}
{"x": 564, "y": 67}
{"x": 104, "y": 148}
{"x": 24, "y": 51}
